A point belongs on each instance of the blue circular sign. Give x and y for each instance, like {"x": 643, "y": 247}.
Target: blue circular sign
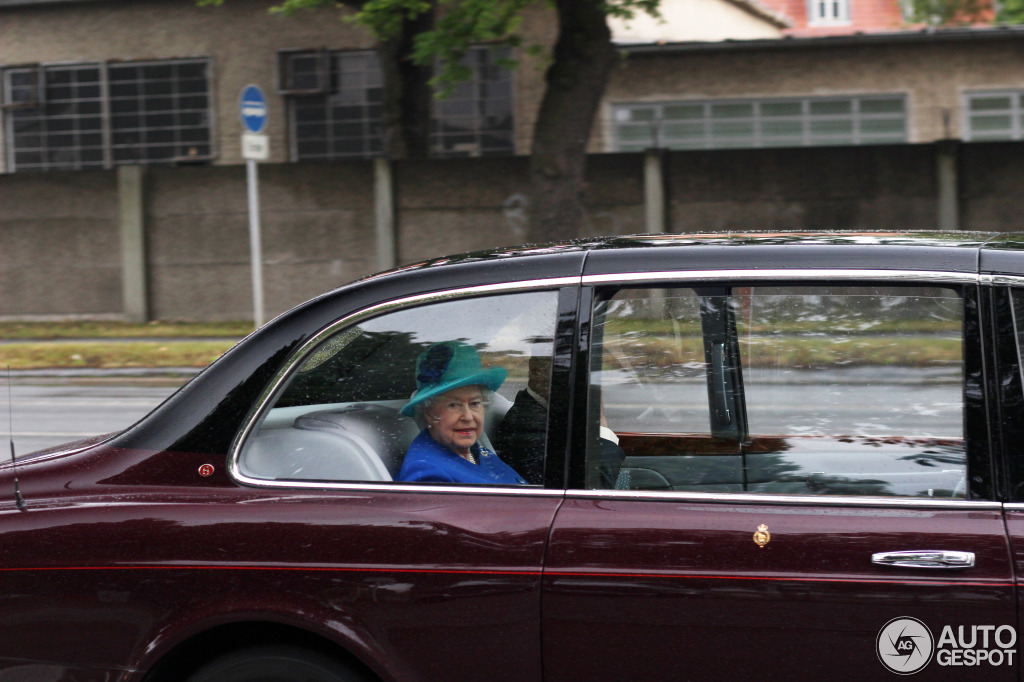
{"x": 252, "y": 106}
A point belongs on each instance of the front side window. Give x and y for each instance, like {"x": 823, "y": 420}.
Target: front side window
{"x": 81, "y": 116}
{"x": 822, "y": 390}
{"x": 458, "y": 370}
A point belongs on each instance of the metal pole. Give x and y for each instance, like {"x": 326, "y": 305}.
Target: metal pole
{"x": 255, "y": 249}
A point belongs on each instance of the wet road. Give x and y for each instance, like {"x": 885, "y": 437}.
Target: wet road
{"x": 47, "y": 414}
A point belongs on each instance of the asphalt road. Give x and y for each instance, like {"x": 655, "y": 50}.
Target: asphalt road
{"x": 44, "y": 415}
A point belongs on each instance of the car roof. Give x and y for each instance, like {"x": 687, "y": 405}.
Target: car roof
{"x": 960, "y": 252}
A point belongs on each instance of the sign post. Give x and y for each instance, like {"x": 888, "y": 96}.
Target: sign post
{"x": 252, "y": 108}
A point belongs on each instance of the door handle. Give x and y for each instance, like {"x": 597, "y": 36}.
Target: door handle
{"x": 924, "y": 558}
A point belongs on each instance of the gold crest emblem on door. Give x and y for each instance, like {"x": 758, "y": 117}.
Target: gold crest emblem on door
{"x": 761, "y": 536}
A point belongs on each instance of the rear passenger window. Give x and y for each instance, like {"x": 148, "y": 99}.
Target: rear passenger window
{"x": 339, "y": 415}
{"x": 822, "y": 390}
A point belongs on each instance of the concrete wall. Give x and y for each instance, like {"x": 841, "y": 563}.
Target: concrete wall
{"x": 316, "y": 226}
{"x": 865, "y": 188}
{"x": 60, "y": 238}
{"x": 59, "y": 244}
{"x": 991, "y": 196}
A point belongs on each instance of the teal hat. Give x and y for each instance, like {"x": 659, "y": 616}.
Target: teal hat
{"x": 448, "y": 365}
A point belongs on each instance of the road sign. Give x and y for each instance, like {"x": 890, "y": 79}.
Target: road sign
{"x": 252, "y": 107}
{"x": 255, "y": 147}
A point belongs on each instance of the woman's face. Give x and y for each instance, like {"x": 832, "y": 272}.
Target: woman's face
{"x": 456, "y": 418}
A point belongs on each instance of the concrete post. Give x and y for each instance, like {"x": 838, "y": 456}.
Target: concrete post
{"x": 655, "y": 213}
{"x": 134, "y": 275}
{"x": 948, "y": 183}
{"x": 385, "y": 227}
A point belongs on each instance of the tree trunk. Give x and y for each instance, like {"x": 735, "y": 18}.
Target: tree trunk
{"x": 407, "y": 93}
{"x": 576, "y": 80}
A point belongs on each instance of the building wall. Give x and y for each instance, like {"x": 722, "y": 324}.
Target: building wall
{"x": 866, "y": 16}
{"x": 241, "y": 37}
{"x": 61, "y": 236}
{"x": 933, "y": 75}
{"x": 685, "y": 20}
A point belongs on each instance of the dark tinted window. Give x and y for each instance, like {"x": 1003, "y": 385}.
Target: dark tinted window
{"x": 791, "y": 390}
{"x": 359, "y": 378}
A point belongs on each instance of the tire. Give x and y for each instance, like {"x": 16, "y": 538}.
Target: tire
{"x": 275, "y": 663}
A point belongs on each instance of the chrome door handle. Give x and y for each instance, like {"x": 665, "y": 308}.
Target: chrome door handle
{"x": 924, "y": 558}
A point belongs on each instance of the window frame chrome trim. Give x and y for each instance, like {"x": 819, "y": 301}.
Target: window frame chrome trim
{"x": 783, "y": 274}
{"x": 1002, "y": 280}
{"x": 791, "y": 500}
{"x": 777, "y": 274}
{"x": 262, "y": 403}
{"x": 819, "y": 274}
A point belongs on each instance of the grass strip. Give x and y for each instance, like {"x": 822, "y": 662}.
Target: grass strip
{"x": 81, "y": 329}
{"x": 111, "y": 355}
{"x": 796, "y": 352}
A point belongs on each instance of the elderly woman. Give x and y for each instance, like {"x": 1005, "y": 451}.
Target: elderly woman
{"x": 452, "y": 394}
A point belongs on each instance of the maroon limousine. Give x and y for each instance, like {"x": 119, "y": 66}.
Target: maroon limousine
{"x": 704, "y": 457}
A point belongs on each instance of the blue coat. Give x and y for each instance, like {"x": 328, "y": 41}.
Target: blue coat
{"x": 428, "y": 460}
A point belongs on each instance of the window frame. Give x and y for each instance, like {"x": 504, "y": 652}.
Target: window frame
{"x": 105, "y": 115}
{"x": 715, "y": 131}
{"x": 1007, "y": 387}
{"x": 1015, "y": 111}
{"x": 818, "y": 13}
{"x": 296, "y": 100}
{"x": 563, "y": 368}
{"x": 977, "y": 442}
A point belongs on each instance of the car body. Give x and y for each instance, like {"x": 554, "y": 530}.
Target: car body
{"x": 821, "y": 435}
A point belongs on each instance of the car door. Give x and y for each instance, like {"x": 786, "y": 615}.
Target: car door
{"x": 1006, "y": 301}
{"x": 441, "y": 580}
{"x": 804, "y": 487}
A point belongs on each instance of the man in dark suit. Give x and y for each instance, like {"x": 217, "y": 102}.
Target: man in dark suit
{"x": 522, "y": 435}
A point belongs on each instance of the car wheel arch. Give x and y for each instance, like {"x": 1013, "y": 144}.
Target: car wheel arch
{"x": 190, "y": 654}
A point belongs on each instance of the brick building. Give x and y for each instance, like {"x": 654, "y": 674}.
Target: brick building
{"x": 98, "y": 83}
{"x": 762, "y": 129}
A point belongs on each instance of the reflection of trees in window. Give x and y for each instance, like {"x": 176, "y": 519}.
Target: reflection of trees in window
{"x": 371, "y": 366}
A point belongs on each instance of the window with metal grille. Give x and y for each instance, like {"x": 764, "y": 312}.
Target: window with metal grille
{"x": 344, "y": 119}
{"x": 877, "y": 119}
{"x": 336, "y": 106}
{"x": 80, "y": 116}
{"x": 476, "y": 119}
{"x": 995, "y": 115}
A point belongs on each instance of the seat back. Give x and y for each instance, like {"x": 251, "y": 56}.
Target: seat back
{"x": 380, "y": 432}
